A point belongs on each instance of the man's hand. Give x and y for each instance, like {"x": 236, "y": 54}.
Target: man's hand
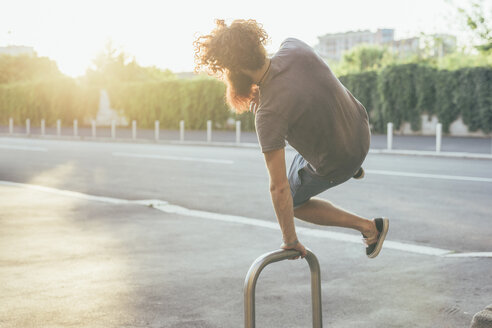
{"x": 255, "y": 102}
{"x": 297, "y": 246}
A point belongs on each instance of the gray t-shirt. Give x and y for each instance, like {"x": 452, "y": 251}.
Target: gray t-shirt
{"x": 303, "y": 102}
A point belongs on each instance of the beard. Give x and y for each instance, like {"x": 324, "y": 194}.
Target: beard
{"x": 240, "y": 89}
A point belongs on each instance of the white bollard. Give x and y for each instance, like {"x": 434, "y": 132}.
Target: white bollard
{"x": 390, "y": 136}
{"x": 93, "y": 124}
{"x": 134, "y": 129}
{"x": 238, "y": 131}
{"x": 43, "y": 127}
{"x": 156, "y": 130}
{"x": 28, "y": 126}
{"x": 75, "y": 128}
{"x": 181, "y": 130}
{"x": 11, "y": 125}
{"x": 113, "y": 129}
{"x": 58, "y": 127}
{"x": 438, "y": 137}
{"x": 209, "y": 131}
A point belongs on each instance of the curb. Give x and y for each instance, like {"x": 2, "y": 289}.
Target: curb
{"x": 136, "y": 141}
{"x": 422, "y": 153}
{"x": 427, "y": 153}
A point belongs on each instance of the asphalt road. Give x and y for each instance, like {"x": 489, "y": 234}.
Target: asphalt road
{"x": 180, "y": 270}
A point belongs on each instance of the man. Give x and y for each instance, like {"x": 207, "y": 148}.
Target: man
{"x": 295, "y": 97}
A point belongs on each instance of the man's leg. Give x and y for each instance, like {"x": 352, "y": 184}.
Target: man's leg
{"x": 322, "y": 212}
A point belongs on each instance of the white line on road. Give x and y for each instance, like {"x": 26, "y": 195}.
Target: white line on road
{"x": 62, "y": 192}
{"x": 431, "y": 176}
{"x": 23, "y": 148}
{"x": 473, "y": 254}
{"x": 174, "y": 209}
{"x": 176, "y": 158}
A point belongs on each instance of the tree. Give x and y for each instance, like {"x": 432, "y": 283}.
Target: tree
{"x": 479, "y": 23}
{"x": 363, "y": 58}
{"x": 111, "y": 65}
{"x": 27, "y": 68}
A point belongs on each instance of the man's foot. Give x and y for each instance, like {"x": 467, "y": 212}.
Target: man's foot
{"x": 360, "y": 174}
{"x": 375, "y": 242}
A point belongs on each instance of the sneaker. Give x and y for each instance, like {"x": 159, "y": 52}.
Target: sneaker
{"x": 360, "y": 174}
{"x": 382, "y": 224}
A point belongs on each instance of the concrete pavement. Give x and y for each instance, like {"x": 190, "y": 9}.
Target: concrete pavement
{"x": 69, "y": 262}
{"x": 378, "y": 142}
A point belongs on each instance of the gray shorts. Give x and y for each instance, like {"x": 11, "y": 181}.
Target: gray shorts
{"x": 305, "y": 184}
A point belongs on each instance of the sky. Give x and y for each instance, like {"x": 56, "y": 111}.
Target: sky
{"x": 161, "y": 33}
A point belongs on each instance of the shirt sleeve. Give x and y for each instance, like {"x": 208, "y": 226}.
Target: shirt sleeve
{"x": 271, "y": 129}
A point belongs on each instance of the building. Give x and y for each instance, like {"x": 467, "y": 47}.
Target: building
{"x": 332, "y": 46}
{"x": 441, "y": 44}
{"x": 435, "y": 45}
{"x": 406, "y": 47}
{"x": 17, "y": 50}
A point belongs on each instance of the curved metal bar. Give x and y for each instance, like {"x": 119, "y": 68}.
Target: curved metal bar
{"x": 276, "y": 256}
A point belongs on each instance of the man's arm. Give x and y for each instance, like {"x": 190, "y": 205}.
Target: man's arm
{"x": 282, "y": 199}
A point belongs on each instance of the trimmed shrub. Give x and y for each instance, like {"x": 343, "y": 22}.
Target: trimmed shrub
{"x": 194, "y": 101}
{"x": 483, "y": 95}
{"x": 465, "y": 98}
{"x": 396, "y": 88}
{"x": 60, "y": 98}
{"x": 398, "y": 93}
{"x": 364, "y": 87}
{"x": 445, "y": 99}
{"x": 402, "y": 93}
{"x": 425, "y": 91}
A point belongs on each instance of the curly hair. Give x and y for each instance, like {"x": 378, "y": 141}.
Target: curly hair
{"x": 235, "y": 47}
{"x": 230, "y": 50}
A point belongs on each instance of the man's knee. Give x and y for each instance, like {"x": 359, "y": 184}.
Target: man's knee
{"x": 299, "y": 208}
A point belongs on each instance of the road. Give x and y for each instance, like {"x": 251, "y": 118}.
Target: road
{"x": 437, "y": 207}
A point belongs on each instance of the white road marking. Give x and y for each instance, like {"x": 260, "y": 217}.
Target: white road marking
{"x": 175, "y": 209}
{"x": 431, "y": 176}
{"x": 30, "y": 148}
{"x": 62, "y": 192}
{"x": 472, "y": 254}
{"x": 176, "y": 158}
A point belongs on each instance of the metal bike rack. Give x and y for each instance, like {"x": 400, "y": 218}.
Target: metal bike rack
{"x": 276, "y": 256}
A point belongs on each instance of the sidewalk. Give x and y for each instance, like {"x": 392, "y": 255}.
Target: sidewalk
{"x": 79, "y": 263}
{"x": 473, "y": 145}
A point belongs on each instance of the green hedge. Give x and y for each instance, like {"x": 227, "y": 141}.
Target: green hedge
{"x": 398, "y": 93}
{"x": 362, "y": 85}
{"x": 483, "y": 92}
{"x": 194, "y": 101}
{"x": 60, "y": 98}
{"x": 402, "y": 93}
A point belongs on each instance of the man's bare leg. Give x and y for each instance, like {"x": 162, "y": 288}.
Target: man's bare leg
{"x": 322, "y": 212}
